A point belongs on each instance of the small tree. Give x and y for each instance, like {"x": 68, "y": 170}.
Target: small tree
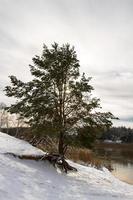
{"x": 4, "y": 117}
{"x": 58, "y": 99}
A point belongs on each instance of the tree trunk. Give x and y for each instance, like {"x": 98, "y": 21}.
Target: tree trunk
{"x": 61, "y": 143}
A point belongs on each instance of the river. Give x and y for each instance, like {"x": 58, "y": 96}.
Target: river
{"x": 120, "y": 157}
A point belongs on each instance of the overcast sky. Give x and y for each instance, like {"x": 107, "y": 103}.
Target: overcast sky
{"x": 100, "y": 30}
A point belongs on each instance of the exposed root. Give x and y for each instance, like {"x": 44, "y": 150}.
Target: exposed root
{"x": 59, "y": 161}
{"x": 55, "y": 159}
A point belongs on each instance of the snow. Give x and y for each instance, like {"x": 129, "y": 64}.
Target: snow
{"x": 38, "y": 180}
{"x": 16, "y": 146}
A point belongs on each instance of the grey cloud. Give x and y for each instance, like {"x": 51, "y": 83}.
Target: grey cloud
{"x": 116, "y": 93}
{"x": 128, "y": 119}
{"x": 101, "y": 32}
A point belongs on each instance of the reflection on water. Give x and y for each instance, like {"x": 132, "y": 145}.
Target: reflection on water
{"x": 120, "y": 160}
{"x": 123, "y": 172}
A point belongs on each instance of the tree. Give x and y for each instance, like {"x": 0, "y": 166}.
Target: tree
{"x": 2, "y": 114}
{"x": 4, "y": 117}
{"x": 58, "y": 99}
{"x": 8, "y": 120}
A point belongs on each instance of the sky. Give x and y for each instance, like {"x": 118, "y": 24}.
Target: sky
{"x": 100, "y": 30}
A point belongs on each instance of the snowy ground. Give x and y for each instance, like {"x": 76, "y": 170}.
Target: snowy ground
{"x": 38, "y": 180}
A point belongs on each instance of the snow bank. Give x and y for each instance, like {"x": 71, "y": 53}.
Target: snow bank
{"x": 16, "y": 146}
{"x": 32, "y": 180}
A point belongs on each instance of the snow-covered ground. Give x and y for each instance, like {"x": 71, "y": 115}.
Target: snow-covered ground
{"x": 38, "y": 180}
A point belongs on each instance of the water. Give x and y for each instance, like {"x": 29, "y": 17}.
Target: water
{"x": 123, "y": 172}
{"x": 121, "y": 160}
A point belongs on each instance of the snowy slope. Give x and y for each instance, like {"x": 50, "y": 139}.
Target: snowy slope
{"x": 38, "y": 180}
{"x": 16, "y": 146}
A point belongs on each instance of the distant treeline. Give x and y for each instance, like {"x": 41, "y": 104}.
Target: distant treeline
{"x": 84, "y": 138}
{"x": 118, "y": 133}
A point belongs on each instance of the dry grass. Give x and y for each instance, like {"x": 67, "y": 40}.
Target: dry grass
{"x": 85, "y": 156}
{"x": 79, "y": 155}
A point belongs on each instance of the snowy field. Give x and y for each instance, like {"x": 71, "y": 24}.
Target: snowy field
{"x": 38, "y": 180}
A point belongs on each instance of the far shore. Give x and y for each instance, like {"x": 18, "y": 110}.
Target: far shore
{"x": 123, "y": 146}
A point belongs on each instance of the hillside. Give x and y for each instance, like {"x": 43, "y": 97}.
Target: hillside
{"x": 38, "y": 180}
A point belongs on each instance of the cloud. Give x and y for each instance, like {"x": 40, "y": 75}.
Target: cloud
{"x": 115, "y": 91}
{"x": 101, "y": 32}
